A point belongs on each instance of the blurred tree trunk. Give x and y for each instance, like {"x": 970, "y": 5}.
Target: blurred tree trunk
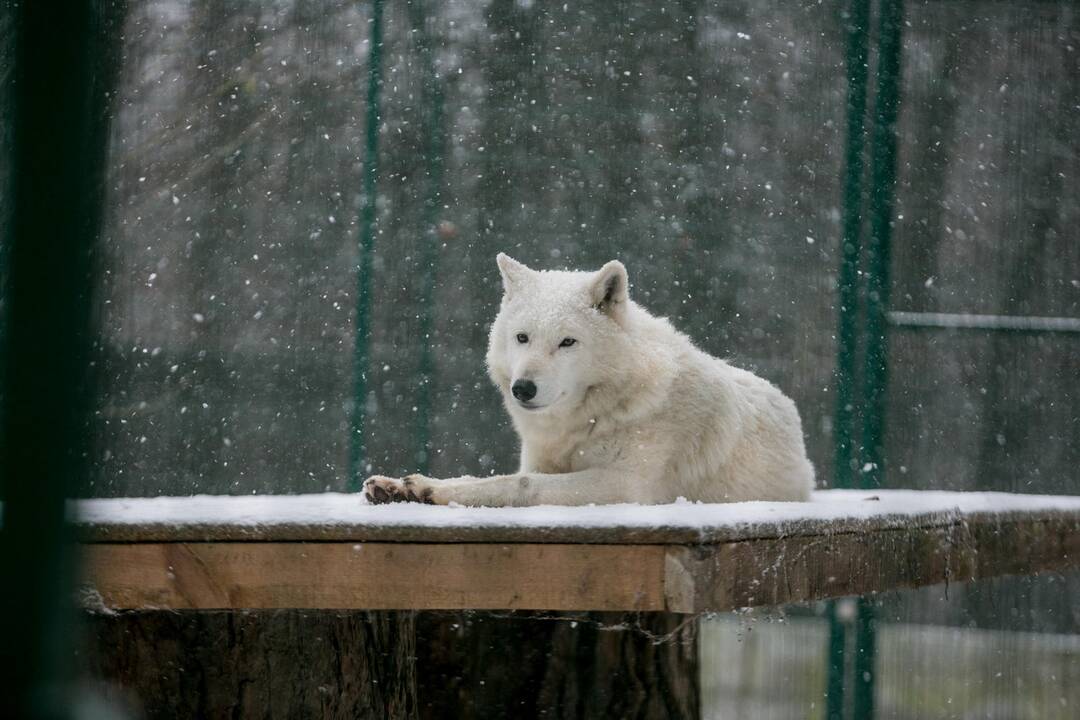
{"x": 707, "y": 281}
{"x": 1008, "y": 412}
{"x": 930, "y": 165}
{"x": 1039, "y": 193}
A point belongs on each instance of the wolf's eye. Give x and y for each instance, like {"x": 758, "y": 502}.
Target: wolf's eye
{"x": 522, "y": 338}
{"x": 567, "y": 342}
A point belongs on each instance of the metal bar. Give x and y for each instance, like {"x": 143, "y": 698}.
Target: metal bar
{"x": 428, "y": 255}
{"x": 847, "y": 322}
{"x": 961, "y": 321}
{"x": 837, "y": 669}
{"x": 357, "y": 446}
{"x": 60, "y": 131}
{"x": 878, "y": 283}
{"x": 863, "y": 705}
{"x": 848, "y": 279}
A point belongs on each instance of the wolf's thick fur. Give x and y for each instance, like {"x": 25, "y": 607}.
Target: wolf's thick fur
{"x": 623, "y": 407}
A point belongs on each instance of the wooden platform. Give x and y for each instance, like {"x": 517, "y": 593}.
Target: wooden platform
{"x": 333, "y": 552}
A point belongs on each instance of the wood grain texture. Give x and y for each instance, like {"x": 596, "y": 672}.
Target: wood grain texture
{"x": 480, "y": 666}
{"x": 390, "y": 665}
{"x": 783, "y": 570}
{"x": 208, "y": 576}
{"x": 264, "y": 664}
{"x": 526, "y": 576}
{"x": 325, "y": 658}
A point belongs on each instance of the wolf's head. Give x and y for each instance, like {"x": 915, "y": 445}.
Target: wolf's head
{"x": 555, "y": 334}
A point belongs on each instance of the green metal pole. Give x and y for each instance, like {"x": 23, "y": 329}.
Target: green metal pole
{"x": 429, "y": 251}
{"x": 847, "y": 319}
{"x": 837, "y": 670}
{"x": 848, "y": 279}
{"x": 883, "y": 181}
{"x": 875, "y": 377}
{"x": 362, "y": 340}
{"x": 59, "y": 132}
{"x": 863, "y": 705}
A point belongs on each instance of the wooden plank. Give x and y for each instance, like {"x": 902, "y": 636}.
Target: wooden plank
{"x": 674, "y": 578}
{"x": 375, "y": 576}
{"x": 784, "y": 570}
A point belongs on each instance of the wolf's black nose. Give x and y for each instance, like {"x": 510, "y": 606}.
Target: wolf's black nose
{"x": 524, "y": 390}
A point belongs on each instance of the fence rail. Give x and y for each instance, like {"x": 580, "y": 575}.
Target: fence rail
{"x": 964, "y": 321}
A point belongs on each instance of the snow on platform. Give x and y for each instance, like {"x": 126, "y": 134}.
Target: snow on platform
{"x": 346, "y": 517}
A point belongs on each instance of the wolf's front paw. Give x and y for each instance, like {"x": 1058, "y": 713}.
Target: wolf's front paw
{"x": 379, "y": 489}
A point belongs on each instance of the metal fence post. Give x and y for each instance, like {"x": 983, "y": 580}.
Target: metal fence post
{"x": 866, "y": 468}
{"x": 882, "y": 183}
{"x": 847, "y": 317}
{"x": 361, "y": 342}
{"x": 875, "y": 377}
{"x": 60, "y": 131}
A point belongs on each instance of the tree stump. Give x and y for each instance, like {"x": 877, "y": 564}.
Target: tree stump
{"x": 524, "y": 665}
{"x": 397, "y": 664}
{"x": 265, "y": 664}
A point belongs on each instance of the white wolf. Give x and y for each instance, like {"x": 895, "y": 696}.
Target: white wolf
{"x": 613, "y": 405}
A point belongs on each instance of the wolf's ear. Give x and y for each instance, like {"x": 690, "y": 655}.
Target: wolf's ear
{"x": 609, "y": 289}
{"x": 513, "y": 273}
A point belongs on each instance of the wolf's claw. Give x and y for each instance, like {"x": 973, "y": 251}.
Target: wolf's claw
{"x": 380, "y": 490}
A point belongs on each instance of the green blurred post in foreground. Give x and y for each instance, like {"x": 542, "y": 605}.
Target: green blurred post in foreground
{"x": 62, "y": 78}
